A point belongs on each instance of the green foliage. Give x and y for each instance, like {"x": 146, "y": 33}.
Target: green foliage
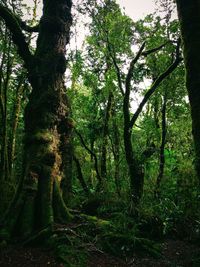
{"x": 106, "y": 222}
{"x": 67, "y": 250}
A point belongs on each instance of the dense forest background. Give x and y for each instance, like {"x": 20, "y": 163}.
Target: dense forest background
{"x": 105, "y": 154}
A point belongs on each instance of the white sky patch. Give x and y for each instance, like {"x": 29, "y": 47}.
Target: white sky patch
{"x": 136, "y": 98}
{"x": 137, "y": 9}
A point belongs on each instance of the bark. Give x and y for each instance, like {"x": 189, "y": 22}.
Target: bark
{"x": 67, "y": 158}
{"x": 135, "y": 173}
{"x": 189, "y": 17}
{"x": 46, "y": 119}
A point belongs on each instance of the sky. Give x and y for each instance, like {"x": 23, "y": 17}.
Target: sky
{"x": 137, "y": 9}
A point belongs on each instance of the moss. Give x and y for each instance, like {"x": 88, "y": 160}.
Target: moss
{"x": 42, "y": 137}
{"x": 93, "y": 219}
{"x": 61, "y": 212}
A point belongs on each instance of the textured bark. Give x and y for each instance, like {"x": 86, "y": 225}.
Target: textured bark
{"x": 66, "y": 148}
{"x": 46, "y": 119}
{"x": 189, "y": 17}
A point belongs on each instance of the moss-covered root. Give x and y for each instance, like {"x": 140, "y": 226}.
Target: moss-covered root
{"x": 19, "y": 219}
{"x": 61, "y": 212}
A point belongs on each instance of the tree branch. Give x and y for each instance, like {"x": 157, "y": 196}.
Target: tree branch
{"x": 153, "y": 50}
{"x": 155, "y": 85}
{"x": 131, "y": 68}
{"x": 17, "y": 35}
{"x": 128, "y": 86}
{"x": 119, "y": 80}
{"x": 26, "y": 27}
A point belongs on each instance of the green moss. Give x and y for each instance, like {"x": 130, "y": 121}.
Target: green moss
{"x": 61, "y": 212}
{"x": 43, "y": 137}
{"x": 93, "y": 219}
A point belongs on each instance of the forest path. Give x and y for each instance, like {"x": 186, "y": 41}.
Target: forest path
{"x": 175, "y": 253}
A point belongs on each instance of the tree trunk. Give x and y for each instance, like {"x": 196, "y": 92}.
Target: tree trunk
{"x": 105, "y": 139}
{"x": 116, "y": 153}
{"x": 189, "y": 17}
{"x": 162, "y": 147}
{"x": 135, "y": 171}
{"x": 66, "y": 147}
{"x": 39, "y": 201}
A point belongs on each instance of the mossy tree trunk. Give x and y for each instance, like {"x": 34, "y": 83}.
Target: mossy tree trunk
{"x": 189, "y": 17}
{"x": 46, "y": 118}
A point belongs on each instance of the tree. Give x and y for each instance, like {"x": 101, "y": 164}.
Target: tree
{"x": 189, "y": 13}
{"x": 38, "y": 201}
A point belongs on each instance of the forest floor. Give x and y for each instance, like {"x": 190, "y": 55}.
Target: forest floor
{"x": 175, "y": 253}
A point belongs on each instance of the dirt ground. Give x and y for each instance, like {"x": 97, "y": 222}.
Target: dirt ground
{"x": 175, "y": 253}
